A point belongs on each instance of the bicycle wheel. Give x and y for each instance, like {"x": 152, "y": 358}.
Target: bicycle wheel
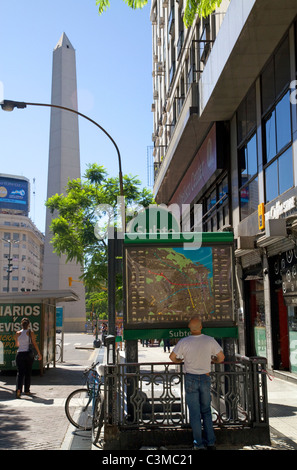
{"x": 78, "y": 409}
{"x": 98, "y": 418}
{"x": 58, "y": 352}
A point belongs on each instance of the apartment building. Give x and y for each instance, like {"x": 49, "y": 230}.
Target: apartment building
{"x": 225, "y": 137}
{"x": 21, "y": 243}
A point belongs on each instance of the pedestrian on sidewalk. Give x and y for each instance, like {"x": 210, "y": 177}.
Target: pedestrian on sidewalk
{"x": 166, "y": 344}
{"x": 197, "y": 351}
{"x": 24, "y": 359}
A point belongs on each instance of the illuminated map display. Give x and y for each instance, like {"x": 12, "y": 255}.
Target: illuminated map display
{"x": 170, "y": 284}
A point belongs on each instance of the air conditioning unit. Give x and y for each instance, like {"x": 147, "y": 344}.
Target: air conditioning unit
{"x": 156, "y": 95}
{"x": 161, "y": 22}
{"x": 153, "y": 107}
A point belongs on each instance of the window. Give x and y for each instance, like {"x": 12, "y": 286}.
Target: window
{"x": 279, "y": 175}
{"x": 278, "y": 156}
{"x": 247, "y": 155}
{"x": 216, "y": 207}
{"x": 248, "y": 160}
{"x": 277, "y": 128}
{"x": 276, "y": 76}
{"x": 246, "y": 116}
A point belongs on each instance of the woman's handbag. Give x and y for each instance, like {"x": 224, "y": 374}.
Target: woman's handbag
{"x": 32, "y": 350}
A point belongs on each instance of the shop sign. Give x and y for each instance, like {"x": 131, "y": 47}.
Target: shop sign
{"x": 281, "y": 208}
{"x": 200, "y": 171}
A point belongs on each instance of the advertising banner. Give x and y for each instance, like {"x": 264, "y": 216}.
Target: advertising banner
{"x": 14, "y": 194}
{"x": 10, "y": 322}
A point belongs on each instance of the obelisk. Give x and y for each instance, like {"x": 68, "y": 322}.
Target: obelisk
{"x": 63, "y": 164}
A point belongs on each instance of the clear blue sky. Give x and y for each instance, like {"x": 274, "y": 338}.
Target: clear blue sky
{"x": 114, "y": 80}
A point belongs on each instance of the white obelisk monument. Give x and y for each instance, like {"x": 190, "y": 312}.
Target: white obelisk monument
{"x": 63, "y": 164}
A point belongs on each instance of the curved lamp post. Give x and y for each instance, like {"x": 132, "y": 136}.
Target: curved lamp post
{"x": 8, "y": 105}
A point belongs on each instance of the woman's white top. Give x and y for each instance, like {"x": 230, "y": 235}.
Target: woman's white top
{"x": 23, "y": 340}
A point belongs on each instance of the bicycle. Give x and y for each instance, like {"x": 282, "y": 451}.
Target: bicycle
{"x": 98, "y": 417}
{"x": 83, "y": 407}
{"x": 58, "y": 348}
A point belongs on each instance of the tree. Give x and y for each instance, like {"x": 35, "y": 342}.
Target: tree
{"x": 193, "y": 7}
{"x": 76, "y": 215}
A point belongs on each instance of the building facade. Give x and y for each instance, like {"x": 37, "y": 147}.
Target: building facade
{"x": 224, "y": 107}
{"x": 21, "y": 243}
{"x": 21, "y": 247}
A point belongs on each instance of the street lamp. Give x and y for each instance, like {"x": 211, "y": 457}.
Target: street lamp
{"x": 9, "y": 105}
{"x": 9, "y": 259}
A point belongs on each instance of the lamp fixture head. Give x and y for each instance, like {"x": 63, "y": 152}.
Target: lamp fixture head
{"x": 8, "y": 105}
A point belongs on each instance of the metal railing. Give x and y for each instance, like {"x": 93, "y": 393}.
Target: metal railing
{"x": 150, "y": 395}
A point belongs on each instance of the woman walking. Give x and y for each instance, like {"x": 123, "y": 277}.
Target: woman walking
{"x": 24, "y": 359}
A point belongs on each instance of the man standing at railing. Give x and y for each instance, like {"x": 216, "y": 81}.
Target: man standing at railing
{"x": 197, "y": 351}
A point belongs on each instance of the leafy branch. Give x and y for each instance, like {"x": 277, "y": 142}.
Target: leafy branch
{"x": 193, "y": 7}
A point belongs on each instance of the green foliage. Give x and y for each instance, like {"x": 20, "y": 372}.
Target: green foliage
{"x": 193, "y": 7}
{"x": 75, "y": 217}
{"x": 136, "y": 4}
{"x": 201, "y": 7}
{"x": 97, "y": 302}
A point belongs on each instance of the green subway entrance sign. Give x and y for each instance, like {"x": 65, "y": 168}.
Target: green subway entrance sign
{"x": 178, "y": 333}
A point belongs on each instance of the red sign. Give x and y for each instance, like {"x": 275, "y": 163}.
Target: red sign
{"x": 201, "y": 169}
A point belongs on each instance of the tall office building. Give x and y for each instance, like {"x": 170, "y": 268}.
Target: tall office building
{"x": 225, "y": 137}
{"x": 63, "y": 164}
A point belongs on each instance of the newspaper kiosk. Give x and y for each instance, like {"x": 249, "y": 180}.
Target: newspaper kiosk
{"x": 40, "y": 308}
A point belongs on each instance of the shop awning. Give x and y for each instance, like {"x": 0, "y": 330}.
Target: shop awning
{"x": 65, "y": 295}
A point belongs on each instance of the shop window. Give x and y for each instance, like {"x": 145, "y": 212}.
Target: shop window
{"x": 257, "y": 316}
{"x": 292, "y": 321}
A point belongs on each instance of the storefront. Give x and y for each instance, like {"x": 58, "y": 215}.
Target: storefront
{"x": 283, "y": 279}
{"x": 255, "y": 321}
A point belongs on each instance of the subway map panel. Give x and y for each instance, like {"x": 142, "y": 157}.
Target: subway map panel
{"x": 171, "y": 284}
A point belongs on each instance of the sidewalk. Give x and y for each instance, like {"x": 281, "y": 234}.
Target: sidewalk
{"x": 39, "y": 422}
{"x": 282, "y": 403}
